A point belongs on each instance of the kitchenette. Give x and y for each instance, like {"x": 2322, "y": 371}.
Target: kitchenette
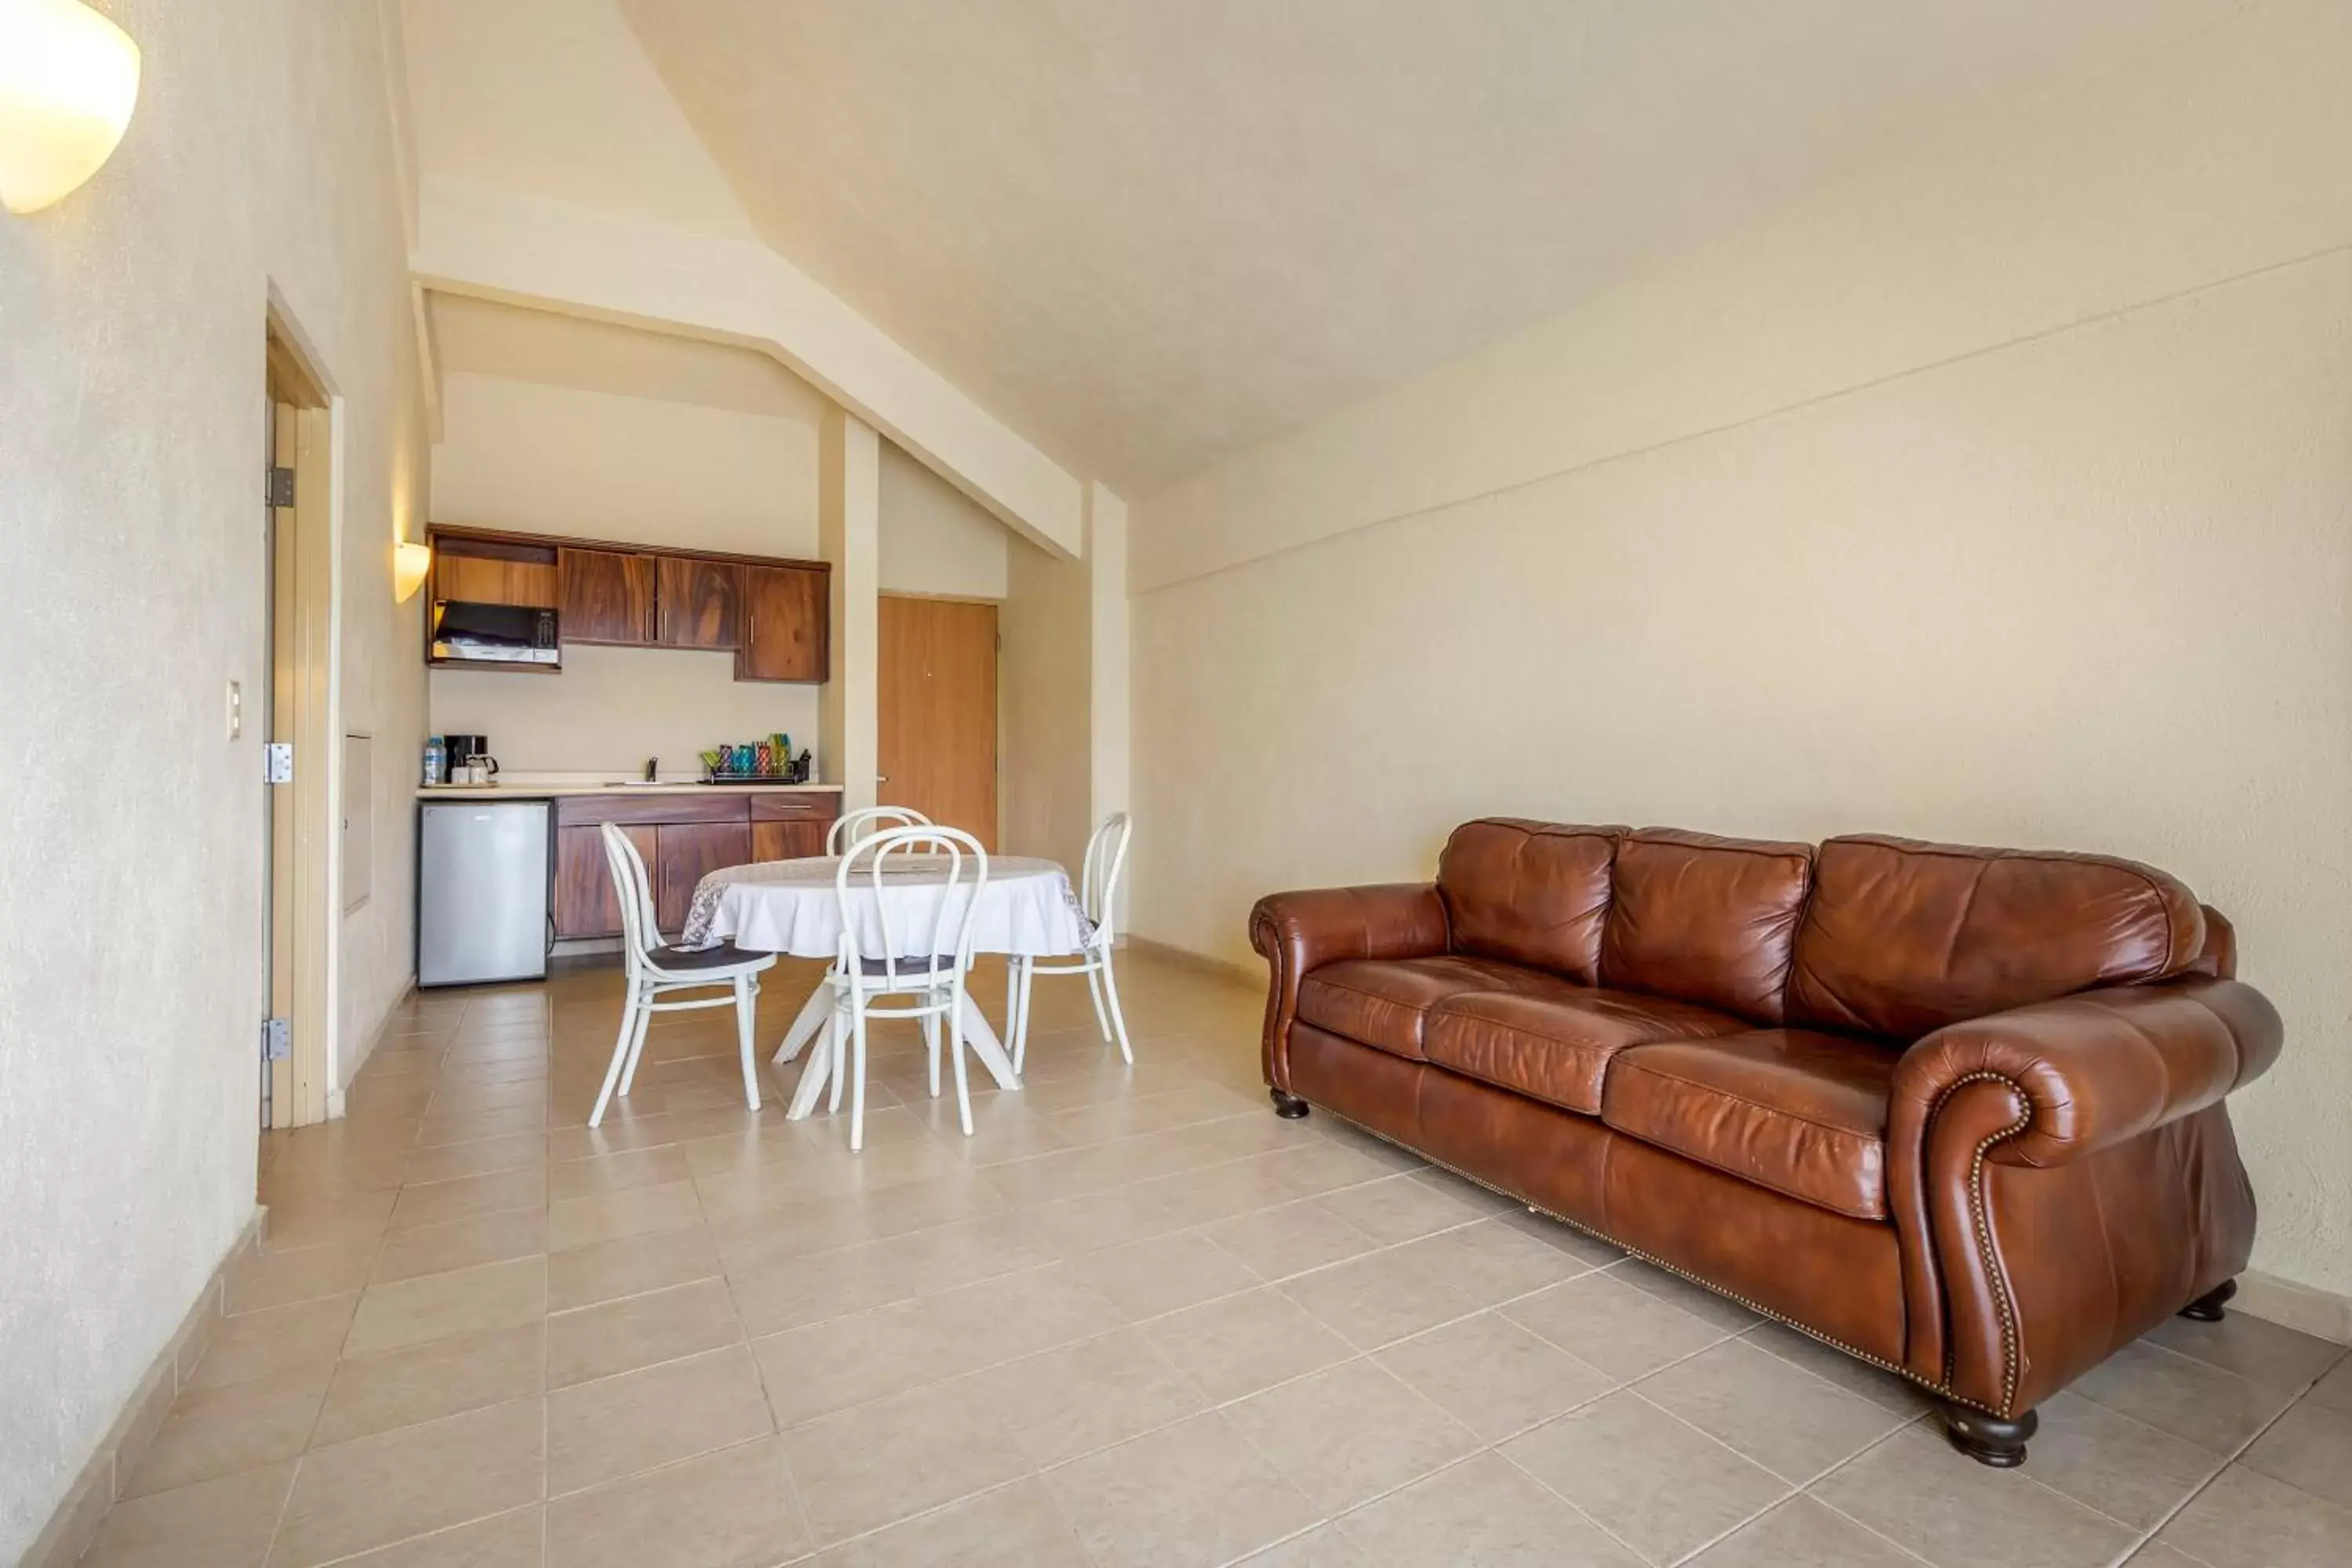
{"x": 511, "y": 863}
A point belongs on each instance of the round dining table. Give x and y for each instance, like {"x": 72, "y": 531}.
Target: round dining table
{"x": 1027, "y": 908}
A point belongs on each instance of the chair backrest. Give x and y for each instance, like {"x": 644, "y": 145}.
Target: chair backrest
{"x": 918, "y": 949}
{"x": 1098, "y": 879}
{"x": 634, "y": 891}
{"x": 868, "y": 821}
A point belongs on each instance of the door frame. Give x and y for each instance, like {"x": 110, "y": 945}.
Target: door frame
{"x": 298, "y": 647}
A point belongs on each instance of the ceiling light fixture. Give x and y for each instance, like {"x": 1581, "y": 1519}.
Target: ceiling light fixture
{"x": 68, "y": 81}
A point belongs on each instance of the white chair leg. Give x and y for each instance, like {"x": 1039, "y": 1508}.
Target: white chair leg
{"x": 962, "y": 1080}
{"x": 621, "y": 1044}
{"x": 746, "y": 993}
{"x": 931, "y": 1048}
{"x": 1012, "y": 1006}
{"x": 840, "y": 1056}
{"x": 1117, "y": 1019}
{"x": 1102, "y": 1019}
{"x": 1020, "y": 1020}
{"x": 857, "y": 1086}
{"x": 645, "y": 1012}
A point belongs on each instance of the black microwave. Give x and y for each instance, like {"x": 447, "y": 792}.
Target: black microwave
{"x": 495, "y": 633}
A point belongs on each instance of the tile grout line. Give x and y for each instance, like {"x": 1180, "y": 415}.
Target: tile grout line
{"x": 980, "y": 1175}
{"x": 2235, "y": 1456}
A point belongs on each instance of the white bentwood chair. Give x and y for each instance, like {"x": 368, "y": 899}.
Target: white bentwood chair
{"x": 925, "y": 966}
{"x": 852, "y": 827}
{"x": 1098, "y": 896}
{"x": 655, "y": 969}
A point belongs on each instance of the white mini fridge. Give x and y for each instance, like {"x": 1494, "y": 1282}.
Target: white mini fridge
{"x": 483, "y": 868}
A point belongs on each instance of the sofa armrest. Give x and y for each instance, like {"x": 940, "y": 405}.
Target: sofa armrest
{"x": 2028, "y": 1253}
{"x": 1300, "y": 931}
{"x": 2093, "y": 1070}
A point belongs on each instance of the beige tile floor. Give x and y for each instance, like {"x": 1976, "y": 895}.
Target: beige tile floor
{"x": 1137, "y": 1320}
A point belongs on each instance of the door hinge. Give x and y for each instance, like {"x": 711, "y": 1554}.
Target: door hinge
{"x": 277, "y": 1039}
{"x": 278, "y": 763}
{"x": 281, "y": 487}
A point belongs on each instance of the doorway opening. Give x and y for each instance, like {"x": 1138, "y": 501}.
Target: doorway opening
{"x": 935, "y": 721}
{"x": 298, "y": 654}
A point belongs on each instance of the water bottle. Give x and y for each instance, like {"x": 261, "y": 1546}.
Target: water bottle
{"x": 437, "y": 763}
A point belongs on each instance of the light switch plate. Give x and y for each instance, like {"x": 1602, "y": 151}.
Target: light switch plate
{"x": 236, "y": 710}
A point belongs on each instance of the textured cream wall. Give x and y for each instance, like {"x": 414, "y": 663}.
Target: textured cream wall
{"x": 2001, "y": 495}
{"x": 130, "y": 455}
{"x": 537, "y": 458}
{"x": 1044, "y": 692}
{"x": 1063, "y": 690}
{"x": 612, "y": 707}
{"x": 934, "y": 538}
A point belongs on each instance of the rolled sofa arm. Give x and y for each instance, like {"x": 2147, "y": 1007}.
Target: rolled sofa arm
{"x": 2029, "y": 1253}
{"x": 1300, "y": 931}
{"x": 2096, "y": 1068}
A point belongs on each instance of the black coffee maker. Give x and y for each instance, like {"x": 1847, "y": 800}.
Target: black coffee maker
{"x": 459, "y": 750}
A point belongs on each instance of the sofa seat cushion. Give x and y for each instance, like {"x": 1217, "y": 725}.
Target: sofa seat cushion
{"x": 1800, "y": 1112}
{"x": 1383, "y": 1002}
{"x": 1554, "y": 1045}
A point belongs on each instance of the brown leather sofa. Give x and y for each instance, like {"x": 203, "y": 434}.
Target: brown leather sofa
{"x": 1956, "y": 1111}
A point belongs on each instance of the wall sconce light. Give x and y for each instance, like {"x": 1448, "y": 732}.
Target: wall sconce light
{"x": 69, "y": 80}
{"x": 410, "y": 562}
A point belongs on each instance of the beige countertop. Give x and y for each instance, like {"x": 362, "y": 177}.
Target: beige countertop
{"x": 550, "y": 791}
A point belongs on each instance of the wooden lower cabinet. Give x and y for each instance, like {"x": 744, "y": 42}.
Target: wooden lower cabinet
{"x": 585, "y": 903}
{"x": 685, "y": 853}
{"x": 789, "y": 840}
{"x": 683, "y": 837}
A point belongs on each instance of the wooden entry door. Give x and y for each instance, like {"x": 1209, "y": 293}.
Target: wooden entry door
{"x": 937, "y": 747}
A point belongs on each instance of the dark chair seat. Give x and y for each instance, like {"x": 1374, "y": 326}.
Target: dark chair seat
{"x": 726, "y": 956}
{"x": 879, "y": 969}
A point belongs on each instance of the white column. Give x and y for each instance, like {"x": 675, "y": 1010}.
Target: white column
{"x": 849, "y": 528}
{"x": 1109, "y": 724}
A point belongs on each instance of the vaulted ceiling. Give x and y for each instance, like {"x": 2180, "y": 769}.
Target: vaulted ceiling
{"x": 1147, "y": 233}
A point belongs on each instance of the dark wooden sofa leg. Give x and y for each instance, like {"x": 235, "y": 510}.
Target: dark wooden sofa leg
{"x": 2207, "y": 1309}
{"x": 1289, "y": 1107}
{"x": 1988, "y": 1439}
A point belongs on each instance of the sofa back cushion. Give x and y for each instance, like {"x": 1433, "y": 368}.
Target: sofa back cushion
{"x": 1530, "y": 892}
{"x": 1902, "y": 938}
{"x": 1706, "y": 919}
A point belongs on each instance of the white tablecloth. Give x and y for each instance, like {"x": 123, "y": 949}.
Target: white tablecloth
{"x": 790, "y": 907}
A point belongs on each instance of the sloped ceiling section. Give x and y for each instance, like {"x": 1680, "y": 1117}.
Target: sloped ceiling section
{"x": 555, "y": 99}
{"x": 483, "y": 337}
{"x": 1148, "y": 233}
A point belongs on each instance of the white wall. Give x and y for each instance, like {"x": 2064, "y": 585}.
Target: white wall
{"x": 537, "y": 458}
{"x": 935, "y": 539}
{"x": 1044, "y": 693}
{"x": 131, "y": 837}
{"x": 2002, "y": 494}
{"x": 612, "y": 707}
{"x": 1063, "y": 690}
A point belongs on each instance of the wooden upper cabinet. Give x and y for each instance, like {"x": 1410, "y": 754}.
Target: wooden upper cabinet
{"x": 494, "y": 580}
{"x": 699, "y": 603}
{"x": 772, "y": 614}
{"x": 785, "y": 613}
{"x": 607, "y": 595}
